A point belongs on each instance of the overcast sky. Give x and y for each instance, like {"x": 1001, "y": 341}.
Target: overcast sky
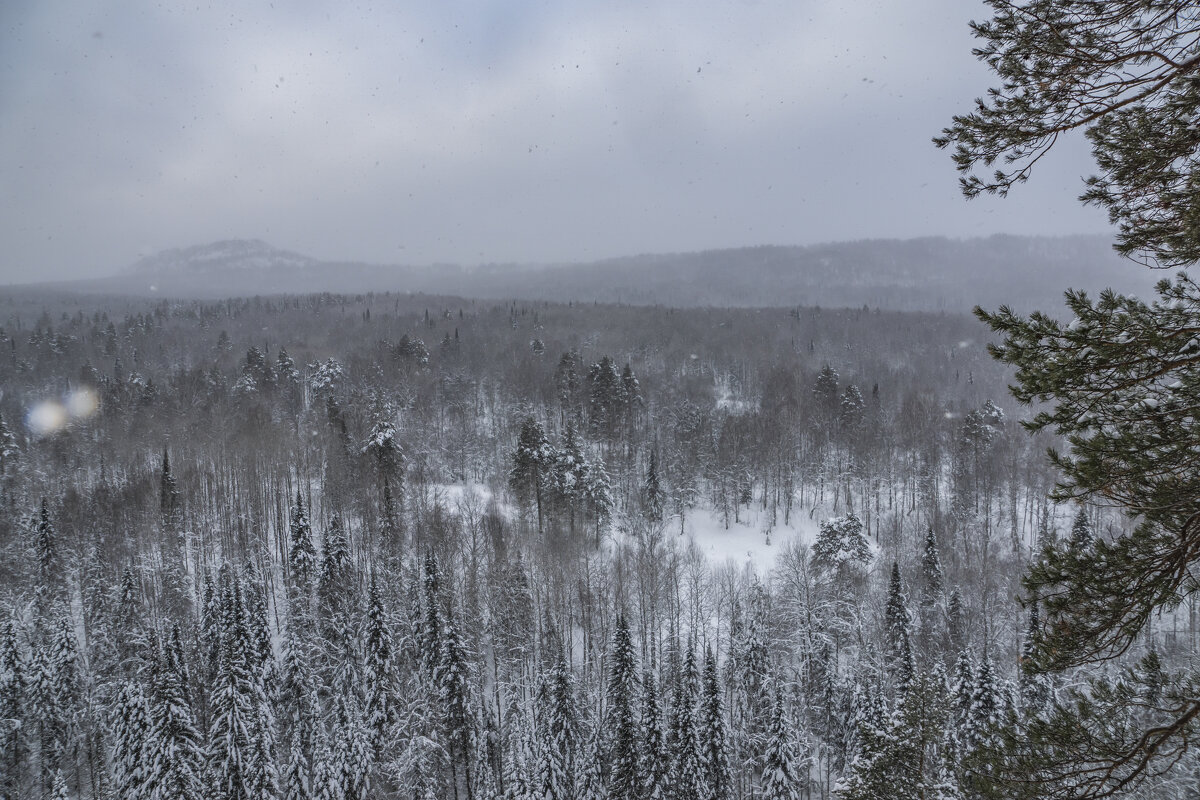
{"x": 489, "y": 130}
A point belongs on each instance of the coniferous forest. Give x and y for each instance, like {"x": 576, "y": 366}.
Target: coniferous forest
{"x": 406, "y": 546}
{"x": 398, "y": 546}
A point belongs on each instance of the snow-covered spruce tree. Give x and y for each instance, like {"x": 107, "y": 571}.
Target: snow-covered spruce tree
{"x": 825, "y": 390}
{"x": 590, "y": 782}
{"x": 13, "y": 742}
{"x": 841, "y": 544}
{"x": 336, "y": 574}
{"x": 683, "y": 743}
{"x": 867, "y": 775}
{"x": 962, "y": 697}
{"x": 982, "y": 728}
{"x": 297, "y": 780}
{"x": 129, "y": 723}
{"x": 957, "y": 633}
{"x": 531, "y": 467}
{"x": 174, "y": 579}
{"x": 605, "y": 401}
{"x": 624, "y": 736}
{"x": 56, "y": 694}
{"x": 454, "y": 692}
{"x": 262, "y": 655}
{"x": 128, "y": 623}
{"x": 336, "y": 595}
{"x": 1120, "y": 382}
{"x": 514, "y": 771}
{"x": 717, "y": 781}
{"x": 901, "y": 752}
{"x": 572, "y": 475}
{"x": 784, "y": 775}
{"x": 297, "y": 710}
{"x": 50, "y": 586}
{"x": 10, "y": 456}
{"x": 931, "y": 630}
{"x": 352, "y": 750}
{"x": 748, "y": 669}
{"x": 655, "y": 763}
{"x": 896, "y": 620}
{"x": 382, "y": 447}
{"x": 558, "y": 731}
{"x": 429, "y": 633}
{"x": 326, "y": 769}
{"x": 391, "y": 520}
{"x": 301, "y": 555}
{"x": 240, "y": 753}
{"x": 932, "y": 578}
{"x": 379, "y": 668}
{"x": 174, "y": 749}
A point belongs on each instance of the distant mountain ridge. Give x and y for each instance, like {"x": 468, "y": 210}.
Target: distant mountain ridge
{"x": 247, "y": 254}
{"x": 925, "y": 274}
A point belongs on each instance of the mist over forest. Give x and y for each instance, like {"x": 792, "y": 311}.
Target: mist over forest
{"x": 600, "y": 401}
{"x": 410, "y": 545}
{"x": 929, "y": 274}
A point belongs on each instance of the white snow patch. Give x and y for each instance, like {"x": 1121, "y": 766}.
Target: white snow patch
{"x": 745, "y": 541}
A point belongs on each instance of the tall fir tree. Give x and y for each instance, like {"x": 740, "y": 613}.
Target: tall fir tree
{"x": 454, "y": 692}
{"x": 130, "y": 726}
{"x": 13, "y": 742}
{"x": 624, "y": 780}
{"x": 932, "y": 578}
{"x": 655, "y": 765}
{"x": 297, "y": 781}
{"x": 900, "y": 658}
{"x": 58, "y": 692}
{"x": 686, "y": 748}
{"x": 379, "y": 668}
{"x": 352, "y": 751}
{"x": 559, "y": 732}
{"x": 718, "y": 782}
{"x": 784, "y": 775}
{"x": 174, "y": 750}
{"x": 302, "y": 556}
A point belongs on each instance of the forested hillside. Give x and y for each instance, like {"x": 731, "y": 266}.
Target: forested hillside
{"x": 396, "y": 546}
{"x": 927, "y": 274}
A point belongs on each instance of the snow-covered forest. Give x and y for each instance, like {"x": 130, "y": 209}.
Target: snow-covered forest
{"x": 394, "y": 546}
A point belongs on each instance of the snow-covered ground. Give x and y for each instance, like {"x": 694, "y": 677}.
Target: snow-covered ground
{"x": 745, "y": 541}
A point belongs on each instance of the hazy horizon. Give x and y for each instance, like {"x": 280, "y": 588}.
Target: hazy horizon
{"x": 35, "y": 279}
{"x": 489, "y": 132}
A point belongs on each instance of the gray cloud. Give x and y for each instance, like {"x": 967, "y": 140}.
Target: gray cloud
{"x": 488, "y": 131}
